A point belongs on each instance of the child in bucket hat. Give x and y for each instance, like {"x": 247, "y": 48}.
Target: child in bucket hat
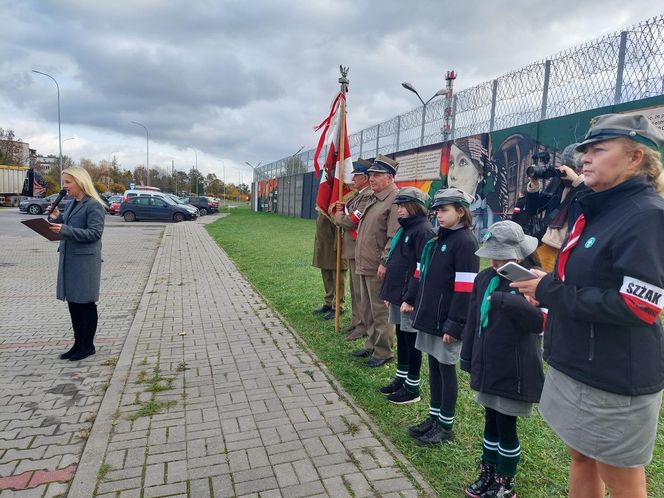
{"x": 502, "y": 352}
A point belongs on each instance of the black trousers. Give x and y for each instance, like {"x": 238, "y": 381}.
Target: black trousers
{"x": 84, "y": 321}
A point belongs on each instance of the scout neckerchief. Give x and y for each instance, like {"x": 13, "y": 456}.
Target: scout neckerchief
{"x": 486, "y": 302}
{"x": 395, "y": 242}
{"x": 573, "y": 240}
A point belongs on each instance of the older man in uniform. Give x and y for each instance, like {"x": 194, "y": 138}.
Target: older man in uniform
{"x": 348, "y": 216}
{"x": 378, "y": 225}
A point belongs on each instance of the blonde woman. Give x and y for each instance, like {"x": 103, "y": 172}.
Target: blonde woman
{"x": 604, "y": 341}
{"x": 79, "y": 269}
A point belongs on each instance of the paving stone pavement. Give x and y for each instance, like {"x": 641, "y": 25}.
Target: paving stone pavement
{"x": 47, "y": 405}
{"x": 213, "y": 396}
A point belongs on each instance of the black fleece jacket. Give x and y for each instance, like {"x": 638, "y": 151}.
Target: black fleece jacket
{"x": 401, "y": 283}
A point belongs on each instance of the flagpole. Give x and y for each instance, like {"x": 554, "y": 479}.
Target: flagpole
{"x": 343, "y": 81}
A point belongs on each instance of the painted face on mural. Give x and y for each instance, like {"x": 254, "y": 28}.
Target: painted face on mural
{"x": 462, "y": 172}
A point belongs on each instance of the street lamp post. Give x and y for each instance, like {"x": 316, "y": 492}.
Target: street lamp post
{"x": 59, "y": 129}
{"x": 411, "y": 88}
{"x": 253, "y": 168}
{"x": 147, "y": 152}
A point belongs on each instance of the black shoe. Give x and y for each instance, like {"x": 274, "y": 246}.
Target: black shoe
{"x": 67, "y": 355}
{"x": 501, "y": 487}
{"x": 437, "y": 435}
{"x": 392, "y": 387}
{"x": 82, "y": 353}
{"x": 330, "y": 315}
{"x": 361, "y": 353}
{"x": 421, "y": 428}
{"x": 375, "y": 362}
{"x": 323, "y": 309}
{"x": 403, "y": 396}
{"x": 483, "y": 482}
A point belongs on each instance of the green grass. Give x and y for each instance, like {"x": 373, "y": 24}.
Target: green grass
{"x": 275, "y": 252}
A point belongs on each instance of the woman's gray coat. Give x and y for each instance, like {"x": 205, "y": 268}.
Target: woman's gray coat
{"x": 79, "y": 268}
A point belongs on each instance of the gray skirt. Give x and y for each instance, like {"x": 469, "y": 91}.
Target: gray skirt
{"x": 505, "y": 406}
{"x": 404, "y": 320}
{"x": 610, "y": 428}
{"x": 445, "y": 353}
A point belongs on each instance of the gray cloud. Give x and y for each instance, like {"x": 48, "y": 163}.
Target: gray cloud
{"x": 248, "y": 80}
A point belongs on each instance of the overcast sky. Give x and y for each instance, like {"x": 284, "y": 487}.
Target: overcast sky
{"x": 246, "y": 80}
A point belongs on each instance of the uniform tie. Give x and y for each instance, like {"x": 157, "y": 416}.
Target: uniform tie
{"x": 573, "y": 240}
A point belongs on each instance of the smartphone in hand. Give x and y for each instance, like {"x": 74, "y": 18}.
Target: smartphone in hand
{"x": 515, "y": 272}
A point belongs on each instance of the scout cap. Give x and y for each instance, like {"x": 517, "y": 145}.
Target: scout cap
{"x": 505, "y": 240}
{"x": 360, "y": 167}
{"x": 634, "y": 126}
{"x": 411, "y": 194}
{"x": 384, "y": 164}
{"x": 451, "y": 196}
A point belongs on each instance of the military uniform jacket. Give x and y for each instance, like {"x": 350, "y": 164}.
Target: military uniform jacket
{"x": 325, "y": 245}
{"x": 444, "y": 292}
{"x": 603, "y": 327}
{"x": 79, "y": 264}
{"x": 376, "y": 229}
{"x": 505, "y": 358}
{"x": 349, "y": 220}
{"x": 402, "y": 277}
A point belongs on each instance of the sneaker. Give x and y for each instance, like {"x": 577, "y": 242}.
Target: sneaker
{"x": 483, "y": 482}
{"x": 326, "y": 308}
{"x": 502, "y": 487}
{"x": 437, "y": 435}
{"x": 403, "y": 396}
{"x": 421, "y": 428}
{"x": 392, "y": 387}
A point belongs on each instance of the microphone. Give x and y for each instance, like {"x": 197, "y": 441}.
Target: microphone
{"x": 57, "y": 200}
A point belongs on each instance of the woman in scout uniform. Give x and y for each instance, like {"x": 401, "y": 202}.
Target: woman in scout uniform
{"x": 603, "y": 340}
{"x": 400, "y": 289}
{"x": 502, "y": 352}
{"x": 448, "y": 266}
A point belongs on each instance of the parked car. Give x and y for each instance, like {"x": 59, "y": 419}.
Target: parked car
{"x": 37, "y": 205}
{"x": 202, "y": 203}
{"x": 114, "y": 201}
{"x": 177, "y": 200}
{"x": 150, "y": 207}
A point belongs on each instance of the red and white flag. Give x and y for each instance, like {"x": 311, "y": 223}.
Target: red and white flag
{"x": 328, "y": 190}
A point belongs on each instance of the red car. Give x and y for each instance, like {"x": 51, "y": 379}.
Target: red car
{"x": 114, "y": 202}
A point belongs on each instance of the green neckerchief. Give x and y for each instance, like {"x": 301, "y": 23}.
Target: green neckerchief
{"x": 425, "y": 257}
{"x": 486, "y": 303}
{"x": 395, "y": 242}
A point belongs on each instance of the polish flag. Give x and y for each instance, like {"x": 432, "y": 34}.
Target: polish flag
{"x": 416, "y": 274}
{"x": 463, "y": 281}
{"x": 328, "y": 190}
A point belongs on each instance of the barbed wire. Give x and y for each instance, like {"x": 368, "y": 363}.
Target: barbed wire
{"x": 619, "y": 67}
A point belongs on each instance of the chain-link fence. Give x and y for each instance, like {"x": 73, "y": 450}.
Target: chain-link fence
{"x": 620, "y": 67}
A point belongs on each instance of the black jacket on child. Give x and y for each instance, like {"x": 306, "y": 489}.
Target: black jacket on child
{"x": 401, "y": 284}
{"x": 444, "y": 293}
{"x": 505, "y": 358}
{"x": 603, "y": 327}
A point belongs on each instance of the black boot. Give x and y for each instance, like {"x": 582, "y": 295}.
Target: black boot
{"x": 502, "y": 487}
{"x": 392, "y": 387}
{"x": 87, "y": 335}
{"x": 77, "y": 325}
{"x": 421, "y": 428}
{"x": 483, "y": 482}
{"x": 437, "y": 435}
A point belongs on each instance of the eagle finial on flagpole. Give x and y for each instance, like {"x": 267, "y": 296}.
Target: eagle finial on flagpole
{"x": 343, "y": 80}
